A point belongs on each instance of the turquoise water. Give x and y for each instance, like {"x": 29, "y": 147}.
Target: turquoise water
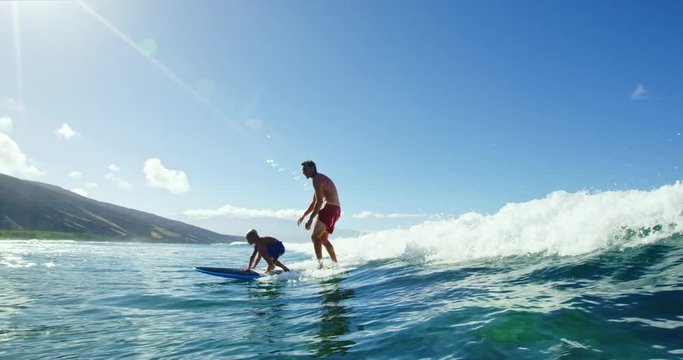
{"x": 568, "y": 276}
{"x": 109, "y": 300}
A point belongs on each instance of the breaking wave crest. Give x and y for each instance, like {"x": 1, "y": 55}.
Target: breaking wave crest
{"x": 561, "y": 223}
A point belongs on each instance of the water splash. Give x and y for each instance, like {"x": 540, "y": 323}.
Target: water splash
{"x": 561, "y": 223}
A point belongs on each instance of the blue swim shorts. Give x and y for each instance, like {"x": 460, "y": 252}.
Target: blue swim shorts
{"x": 276, "y": 250}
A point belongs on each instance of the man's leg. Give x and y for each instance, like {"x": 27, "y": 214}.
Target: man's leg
{"x": 316, "y": 237}
{"x": 328, "y": 245}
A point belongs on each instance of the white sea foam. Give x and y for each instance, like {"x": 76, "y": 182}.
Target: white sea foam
{"x": 237, "y": 243}
{"x": 306, "y": 271}
{"x": 562, "y": 223}
{"x": 15, "y": 261}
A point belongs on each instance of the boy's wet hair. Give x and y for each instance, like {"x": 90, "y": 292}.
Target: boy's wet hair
{"x": 309, "y": 163}
{"x": 251, "y": 233}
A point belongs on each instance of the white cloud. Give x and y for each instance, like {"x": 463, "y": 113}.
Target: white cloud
{"x": 640, "y": 93}
{"x": 91, "y": 185}
{"x": 119, "y": 182}
{"x": 243, "y": 213}
{"x": 11, "y": 104}
{"x": 66, "y": 132}
{"x": 6, "y": 124}
{"x": 253, "y": 124}
{"x": 113, "y": 177}
{"x": 373, "y": 215}
{"x": 13, "y": 161}
{"x": 76, "y": 174}
{"x": 159, "y": 176}
{"x": 80, "y": 191}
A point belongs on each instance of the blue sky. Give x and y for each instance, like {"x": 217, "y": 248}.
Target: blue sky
{"x": 203, "y": 110}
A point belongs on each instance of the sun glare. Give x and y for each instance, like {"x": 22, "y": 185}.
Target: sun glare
{"x": 17, "y": 53}
{"x": 147, "y": 48}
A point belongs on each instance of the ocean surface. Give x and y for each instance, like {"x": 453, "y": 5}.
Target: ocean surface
{"x": 569, "y": 276}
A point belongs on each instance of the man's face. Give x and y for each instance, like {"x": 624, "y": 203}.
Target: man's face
{"x": 307, "y": 170}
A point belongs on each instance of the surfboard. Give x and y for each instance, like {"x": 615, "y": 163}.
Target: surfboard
{"x": 232, "y": 273}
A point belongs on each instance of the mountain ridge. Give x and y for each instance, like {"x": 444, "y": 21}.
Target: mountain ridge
{"x": 27, "y": 205}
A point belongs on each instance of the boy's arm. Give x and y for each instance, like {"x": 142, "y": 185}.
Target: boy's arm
{"x": 264, "y": 254}
{"x": 269, "y": 260}
{"x": 251, "y": 259}
{"x": 258, "y": 258}
{"x": 272, "y": 262}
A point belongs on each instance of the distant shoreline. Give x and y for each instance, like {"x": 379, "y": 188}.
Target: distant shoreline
{"x": 48, "y": 235}
{"x": 55, "y": 235}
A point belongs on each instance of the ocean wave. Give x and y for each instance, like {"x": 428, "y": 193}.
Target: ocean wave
{"x": 561, "y": 223}
{"x": 15, "y": 261}
{"x": 238, "y": 243}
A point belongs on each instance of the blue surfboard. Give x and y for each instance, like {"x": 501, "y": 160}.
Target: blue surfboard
{"x": 232, "y": 273}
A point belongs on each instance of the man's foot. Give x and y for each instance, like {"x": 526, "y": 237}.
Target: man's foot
{"x": 320, "y": 264}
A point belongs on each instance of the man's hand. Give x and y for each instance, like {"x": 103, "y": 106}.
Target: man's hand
{"x": 301, "y": 219}
{"x": 308, "y": 224}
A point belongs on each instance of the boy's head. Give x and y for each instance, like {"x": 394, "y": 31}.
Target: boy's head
{"x": 251, "y": 236}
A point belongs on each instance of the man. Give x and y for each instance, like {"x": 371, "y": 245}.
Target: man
{"x": 324, "y": 192}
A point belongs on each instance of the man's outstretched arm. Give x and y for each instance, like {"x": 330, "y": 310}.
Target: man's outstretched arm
{"x": 318, "y": 201}
{"x": 308, "y": 211}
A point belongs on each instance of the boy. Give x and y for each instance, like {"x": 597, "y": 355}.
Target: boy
{"x": 267, "y": 247}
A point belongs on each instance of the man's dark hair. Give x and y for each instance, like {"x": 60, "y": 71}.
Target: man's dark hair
{"x": 309, "y": 163}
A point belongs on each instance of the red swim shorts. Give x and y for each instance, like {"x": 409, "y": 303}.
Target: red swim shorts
{"x": 329, "y": 216}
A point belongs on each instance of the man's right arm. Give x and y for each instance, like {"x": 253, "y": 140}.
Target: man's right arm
{"x": 317, "y": 202}
{"x": 308, "y": 211}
